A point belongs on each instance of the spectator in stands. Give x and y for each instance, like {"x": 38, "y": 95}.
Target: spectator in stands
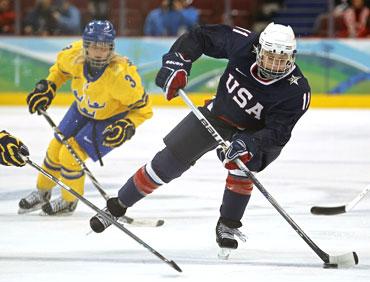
{"x": 322, "y": 22}
{"x": 168, "y": 19}
{"x": 7, "y": 17}
{"x": 96, "y": 10}
{"x": 191, "y": 14}
{"x": 340, "y": 7}
{"x": 265, "y": 12}
{"x": 351, "y": 19}
{"x": 68, "y": 18}
{"x": 355, "y": 19}
{"x": 40, "y": 20}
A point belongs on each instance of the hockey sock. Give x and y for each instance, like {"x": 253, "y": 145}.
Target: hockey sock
{"x": 236, "y": 195}
{"x": 142, "y": 183}
{"x": 75, "y": 180}
{"x": 44, "y": 183}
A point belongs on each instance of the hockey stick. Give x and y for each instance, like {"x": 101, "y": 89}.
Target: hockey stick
{"x": 345, "y": 260}
{"x": 103, "y": 214}
{"x": 95, "y": 182}
{"x": 340, "y": 209}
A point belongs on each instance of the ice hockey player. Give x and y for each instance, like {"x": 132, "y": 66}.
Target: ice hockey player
{"x": 110, "y": 103}
{"x": 260, "y": 97}
{"x": 10, "y": 147}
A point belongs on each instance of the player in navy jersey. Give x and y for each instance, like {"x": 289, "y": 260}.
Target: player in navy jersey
{"x": 260, "y": 97}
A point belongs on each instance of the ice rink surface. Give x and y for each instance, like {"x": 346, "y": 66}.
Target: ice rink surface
{"x": 326, "y": 162}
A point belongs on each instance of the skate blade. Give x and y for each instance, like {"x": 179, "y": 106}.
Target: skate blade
{"x": 224, "y": 253}
{"x": 60, "y": 214}
{"x": 89, "y": 232}
{"x": 25, "y": 211}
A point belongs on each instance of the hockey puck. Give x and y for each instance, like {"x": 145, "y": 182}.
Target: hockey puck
{"x": 355, "y": 256}
{"x": 330, "y": 265}
{"x": 160, "y": 222}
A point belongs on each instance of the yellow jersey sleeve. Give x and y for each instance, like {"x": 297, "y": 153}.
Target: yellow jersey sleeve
{"x": 131, "y": 93}
{"x": 63, "y": 68}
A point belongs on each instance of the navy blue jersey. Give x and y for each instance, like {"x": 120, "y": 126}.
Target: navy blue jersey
{"x": 267, "y": 110}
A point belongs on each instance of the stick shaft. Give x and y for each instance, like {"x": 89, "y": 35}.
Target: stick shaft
{"x": 358, "y": 198}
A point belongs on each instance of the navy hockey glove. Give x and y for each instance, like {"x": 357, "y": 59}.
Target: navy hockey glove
{"x": 173, "y": 74}
{"x": 41, "y": 96}
{"x": 237, "y": 149}
{"x": 10, "y": 146}
{"x": 118, "y": 133}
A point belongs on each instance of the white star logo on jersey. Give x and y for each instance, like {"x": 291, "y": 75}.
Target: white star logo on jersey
{"x": 294, "y": 79}
{"x": 255, "y": 49}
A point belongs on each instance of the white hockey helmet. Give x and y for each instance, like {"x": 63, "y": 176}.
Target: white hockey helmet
{"x": 276, "y": 51}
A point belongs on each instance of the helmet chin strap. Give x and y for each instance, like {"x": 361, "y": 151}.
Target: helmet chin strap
{"x": 261, "y": 74}
{"x": 265, "y": 76}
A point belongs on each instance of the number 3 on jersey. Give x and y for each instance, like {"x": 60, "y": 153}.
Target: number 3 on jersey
{"x": 131, "y": 80}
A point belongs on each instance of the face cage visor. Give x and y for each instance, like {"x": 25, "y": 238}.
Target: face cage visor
{"x": 98, "y": 63}
{"x": 273, "y": 65}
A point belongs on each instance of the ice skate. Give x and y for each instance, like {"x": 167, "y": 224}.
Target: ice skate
{"x": 115, "y": 209}
{"x": 33, "y": 201}
{"x": 225, "y": 238}
{"x": 58, "y": 207}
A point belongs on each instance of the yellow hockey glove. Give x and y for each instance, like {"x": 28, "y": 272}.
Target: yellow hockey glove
{"x": 41, "y": 96}
{"x": 118, "y": 133}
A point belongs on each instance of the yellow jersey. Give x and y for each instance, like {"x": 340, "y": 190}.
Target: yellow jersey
{"x": 117, "y": 90}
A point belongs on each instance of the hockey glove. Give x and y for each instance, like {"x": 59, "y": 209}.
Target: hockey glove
{"x": 9, "y": 149}
{"x": 237, "y": 149}
{"x": 173, "y": 74}
{"x": 118, "y": 133}
{"x": 41, "y": 96}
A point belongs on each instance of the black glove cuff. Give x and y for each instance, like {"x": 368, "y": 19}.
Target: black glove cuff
{"x": 130, "y": 129}
{"x": 163, "y": 76}
{"x": 248, "y": 141}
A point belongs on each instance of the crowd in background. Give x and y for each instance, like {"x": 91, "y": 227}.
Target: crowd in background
{"x": 7, "y": 17}
{"x": 171, "y": 18}
{"x": 348, "y": 18}
{"x": 51, "y": 17}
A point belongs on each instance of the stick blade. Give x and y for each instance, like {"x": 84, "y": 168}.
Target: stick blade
{"x": 141, "y": 222}
{"x": 342, "y": 261}
{"x": 328, "y": 210}
{"x": 175, "y": 266}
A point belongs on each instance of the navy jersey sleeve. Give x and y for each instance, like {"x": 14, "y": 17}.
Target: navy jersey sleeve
{"x": 279, "y": 124}
{"x": 217, "y": 41}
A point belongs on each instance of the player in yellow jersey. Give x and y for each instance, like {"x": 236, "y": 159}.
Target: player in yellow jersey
{"x": 110, "y": 103}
